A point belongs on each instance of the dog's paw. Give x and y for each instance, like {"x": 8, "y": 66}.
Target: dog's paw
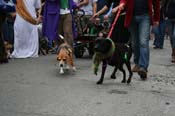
{"x": 128, "y": 81}
{"x": 61, "y": 71}
{"x": 67, "y": 67}
{"x": 95, "y": 73}
{"x": 99, "y": 82}
{"x": 95, "y": 70}
{"x": 74, "y": 69}
{"x": 123, "y": 81}
{"x": 113, "y": 77}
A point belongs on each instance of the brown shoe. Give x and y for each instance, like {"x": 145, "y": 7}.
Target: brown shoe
{"x": 135, "y": 68}
{"x": 173, "y": 55}
{"x": 143, "y": 73}
{"x": 173, "y": 59}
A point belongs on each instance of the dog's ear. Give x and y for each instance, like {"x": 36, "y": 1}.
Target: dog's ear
{"x": 69, "y": 51}
{"x": 58, "y": 58}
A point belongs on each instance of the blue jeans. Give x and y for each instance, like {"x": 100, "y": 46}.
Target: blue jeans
{"x": 159, "y": 32}
{"x": 140, "y": 34}
{"x": 171, "y": 29}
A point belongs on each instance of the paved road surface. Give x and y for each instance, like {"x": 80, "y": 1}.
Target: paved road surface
{"x": 34, "y": 87}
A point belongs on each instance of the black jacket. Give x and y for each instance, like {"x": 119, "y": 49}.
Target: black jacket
{"x": 168, "y": 7}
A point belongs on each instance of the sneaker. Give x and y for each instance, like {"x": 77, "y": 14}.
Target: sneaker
{"x": 143, "y": 73}
{"x": 135, "y": 68}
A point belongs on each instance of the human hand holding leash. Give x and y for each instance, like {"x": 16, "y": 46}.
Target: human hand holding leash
{"x": 94, "y": 16}
{"x": 155, "y": 23}
{"x": 106, "y": 17}
{"x": 114, "y": 10}
{"x": 121, "y": 6}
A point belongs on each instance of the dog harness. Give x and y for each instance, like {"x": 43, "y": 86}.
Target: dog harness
{"x": 110, "y": 53}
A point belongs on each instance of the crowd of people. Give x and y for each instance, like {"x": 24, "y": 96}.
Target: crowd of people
{"x": 19, "y": 20}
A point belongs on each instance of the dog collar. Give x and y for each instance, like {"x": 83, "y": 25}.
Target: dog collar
{"x": 110, "y": 53}
{"x": 112, "y": 48}
{"x": 98, "y": 57}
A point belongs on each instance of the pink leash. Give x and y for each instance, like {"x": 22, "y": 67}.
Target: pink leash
{"x": 113, "y": 24}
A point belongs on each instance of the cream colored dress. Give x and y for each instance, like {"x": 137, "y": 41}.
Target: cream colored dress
{"x": 26, "y": 43}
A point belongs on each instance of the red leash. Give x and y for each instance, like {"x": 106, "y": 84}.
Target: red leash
{"x": 113, "y": 24}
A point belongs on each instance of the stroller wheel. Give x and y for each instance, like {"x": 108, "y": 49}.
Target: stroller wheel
{"x": 79, "y": 50}
{"x": 91, "y": 49}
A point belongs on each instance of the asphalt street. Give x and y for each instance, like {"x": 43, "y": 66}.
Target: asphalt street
{"x": 34, "y": 87}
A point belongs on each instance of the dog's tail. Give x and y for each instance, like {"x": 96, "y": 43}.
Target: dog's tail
{"x": 62, "y": 38}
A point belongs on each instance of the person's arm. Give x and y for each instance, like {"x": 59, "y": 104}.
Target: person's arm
{"x": 164, "y": 7}
{"x": 74, "y": 5}
{"x": 108, "y": 14}
{"x": 94, "y": 6}
{"x": 156, "y": 8}
{"x": 84, "y": 2}
{"x": 122, "y": 4}
{"x": 37, "y": 8}
{"x": 41, "y": 9}
{"x": 105, "y": 8}
{"x": 110, "y": 10}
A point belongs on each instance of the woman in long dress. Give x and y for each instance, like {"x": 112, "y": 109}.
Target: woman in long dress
{"x": 26, "y": 42}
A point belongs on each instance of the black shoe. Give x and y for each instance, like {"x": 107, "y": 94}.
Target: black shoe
{"x": 156, "y": 47}
{"x": 4, "y": 61}
{"x": 143, "y": 73}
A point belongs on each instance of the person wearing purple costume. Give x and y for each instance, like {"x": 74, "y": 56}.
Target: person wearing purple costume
{"x": 57, "y": 19}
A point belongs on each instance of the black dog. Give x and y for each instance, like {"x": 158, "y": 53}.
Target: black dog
{"x": 3, "y": 53}
{"x": 43, "y": 46}
{"x": 112, "y": 54}
{"x": 43, "y": 41}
